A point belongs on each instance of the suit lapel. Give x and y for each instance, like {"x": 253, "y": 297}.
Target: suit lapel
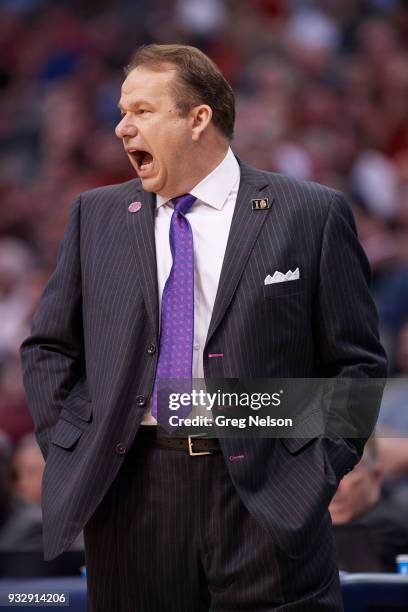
{"x": 245, "y": 227}
{"x": 141, "y": 229}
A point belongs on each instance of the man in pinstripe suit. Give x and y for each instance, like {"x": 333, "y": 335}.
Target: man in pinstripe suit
{"x": 238, "y": 524}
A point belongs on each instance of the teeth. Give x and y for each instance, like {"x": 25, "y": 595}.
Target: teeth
{"x": 145, "y": 166}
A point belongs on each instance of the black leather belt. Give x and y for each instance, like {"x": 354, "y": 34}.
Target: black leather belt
{"x": 194, "y": 445}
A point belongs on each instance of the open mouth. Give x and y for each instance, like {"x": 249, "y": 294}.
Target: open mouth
{"x": 143, "y": 159}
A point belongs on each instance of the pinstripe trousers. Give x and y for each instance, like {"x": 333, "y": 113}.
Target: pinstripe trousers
{"x": 172, "y": 535}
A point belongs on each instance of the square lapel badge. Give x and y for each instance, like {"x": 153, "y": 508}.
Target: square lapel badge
{"x": 260, "y": 204}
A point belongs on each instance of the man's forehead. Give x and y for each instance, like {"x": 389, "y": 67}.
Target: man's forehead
{"x": 146, "y": 76}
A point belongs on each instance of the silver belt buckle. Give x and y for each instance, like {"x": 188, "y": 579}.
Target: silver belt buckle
{"x": 190, "y": 447}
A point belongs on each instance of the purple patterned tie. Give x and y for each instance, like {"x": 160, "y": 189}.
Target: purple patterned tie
{"x": 177, "y": 311}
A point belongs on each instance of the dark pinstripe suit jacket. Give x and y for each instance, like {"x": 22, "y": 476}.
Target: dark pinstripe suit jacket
{"x": 88, "y": 372}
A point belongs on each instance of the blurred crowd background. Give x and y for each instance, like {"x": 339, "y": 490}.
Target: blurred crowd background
{"x": 322, "y": 94}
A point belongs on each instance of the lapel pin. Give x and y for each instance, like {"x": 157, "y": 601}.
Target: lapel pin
{"x": 134, "y": 207}
{"x": 260, "y": 204}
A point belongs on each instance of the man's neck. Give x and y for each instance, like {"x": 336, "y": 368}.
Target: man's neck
{"x": 205, "y": 162}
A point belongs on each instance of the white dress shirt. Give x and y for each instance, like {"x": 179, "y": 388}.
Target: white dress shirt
{"x": 210, "y": 219}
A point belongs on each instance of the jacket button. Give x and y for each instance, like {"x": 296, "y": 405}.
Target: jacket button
{"x": 140, "y": 400}
{"x": 151, "y": 349}
{"x": 120, "y": 448}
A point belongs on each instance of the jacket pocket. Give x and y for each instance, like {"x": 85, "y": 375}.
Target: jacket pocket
{"x": 285, "y": 288}
{"x": 65, "y": 434}
{"x": 295, "y": 445}
{"x": 76, "y": 407}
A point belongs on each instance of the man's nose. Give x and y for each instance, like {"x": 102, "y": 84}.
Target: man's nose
{"x": 125, "y": 128}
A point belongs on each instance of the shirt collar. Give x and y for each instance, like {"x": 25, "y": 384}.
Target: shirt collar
{"x": 215, "y": 188}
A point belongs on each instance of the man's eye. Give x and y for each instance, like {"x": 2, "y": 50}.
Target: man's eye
{"x": 143, "y": 111}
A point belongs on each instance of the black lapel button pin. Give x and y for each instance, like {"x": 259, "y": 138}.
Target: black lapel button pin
{"x": 260, "y": 204}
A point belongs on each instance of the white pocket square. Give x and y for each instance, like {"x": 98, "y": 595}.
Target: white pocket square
{"x": 279, "y": 277}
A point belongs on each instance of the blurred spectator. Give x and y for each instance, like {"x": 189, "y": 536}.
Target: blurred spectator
{"x": 359, "y": 501}
{"x": 393, "y": 423}
{"x": 15, "y": 263}
{"x": 21, "y": 547}
{"x": 393, "y": 417}
{"x": 20, "y": 511}
{"x": 20, "y": 522}
{"x": 374, "y": 178}
{"x": 28, "y": 468}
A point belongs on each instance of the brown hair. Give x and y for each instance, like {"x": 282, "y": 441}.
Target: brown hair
{"x": 200, "y": 79}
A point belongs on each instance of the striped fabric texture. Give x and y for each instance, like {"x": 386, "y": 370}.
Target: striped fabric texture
{"x": 89, "y": 366}
{"x": 172, "y": 535}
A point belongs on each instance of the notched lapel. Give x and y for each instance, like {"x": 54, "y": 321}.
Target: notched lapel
{"x": 245, "y": 227}
{"x": 141, "y": 230}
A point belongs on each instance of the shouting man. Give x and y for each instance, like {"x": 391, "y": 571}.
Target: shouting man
{"x": 164, "y": 277}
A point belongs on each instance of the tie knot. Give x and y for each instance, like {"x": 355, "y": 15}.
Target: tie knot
{"x": 183, "y": 203}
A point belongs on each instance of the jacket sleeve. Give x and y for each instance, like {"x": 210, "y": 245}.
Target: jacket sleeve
{"x": 346, "y": 325}
{"x": 53, "y": 355}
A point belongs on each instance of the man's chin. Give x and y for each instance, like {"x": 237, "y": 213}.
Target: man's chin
{"x": 149, "y": 184}
{"x": 154, "y": 185}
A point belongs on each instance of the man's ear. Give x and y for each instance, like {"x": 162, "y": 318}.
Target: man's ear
{"x": 201, "y": 116}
